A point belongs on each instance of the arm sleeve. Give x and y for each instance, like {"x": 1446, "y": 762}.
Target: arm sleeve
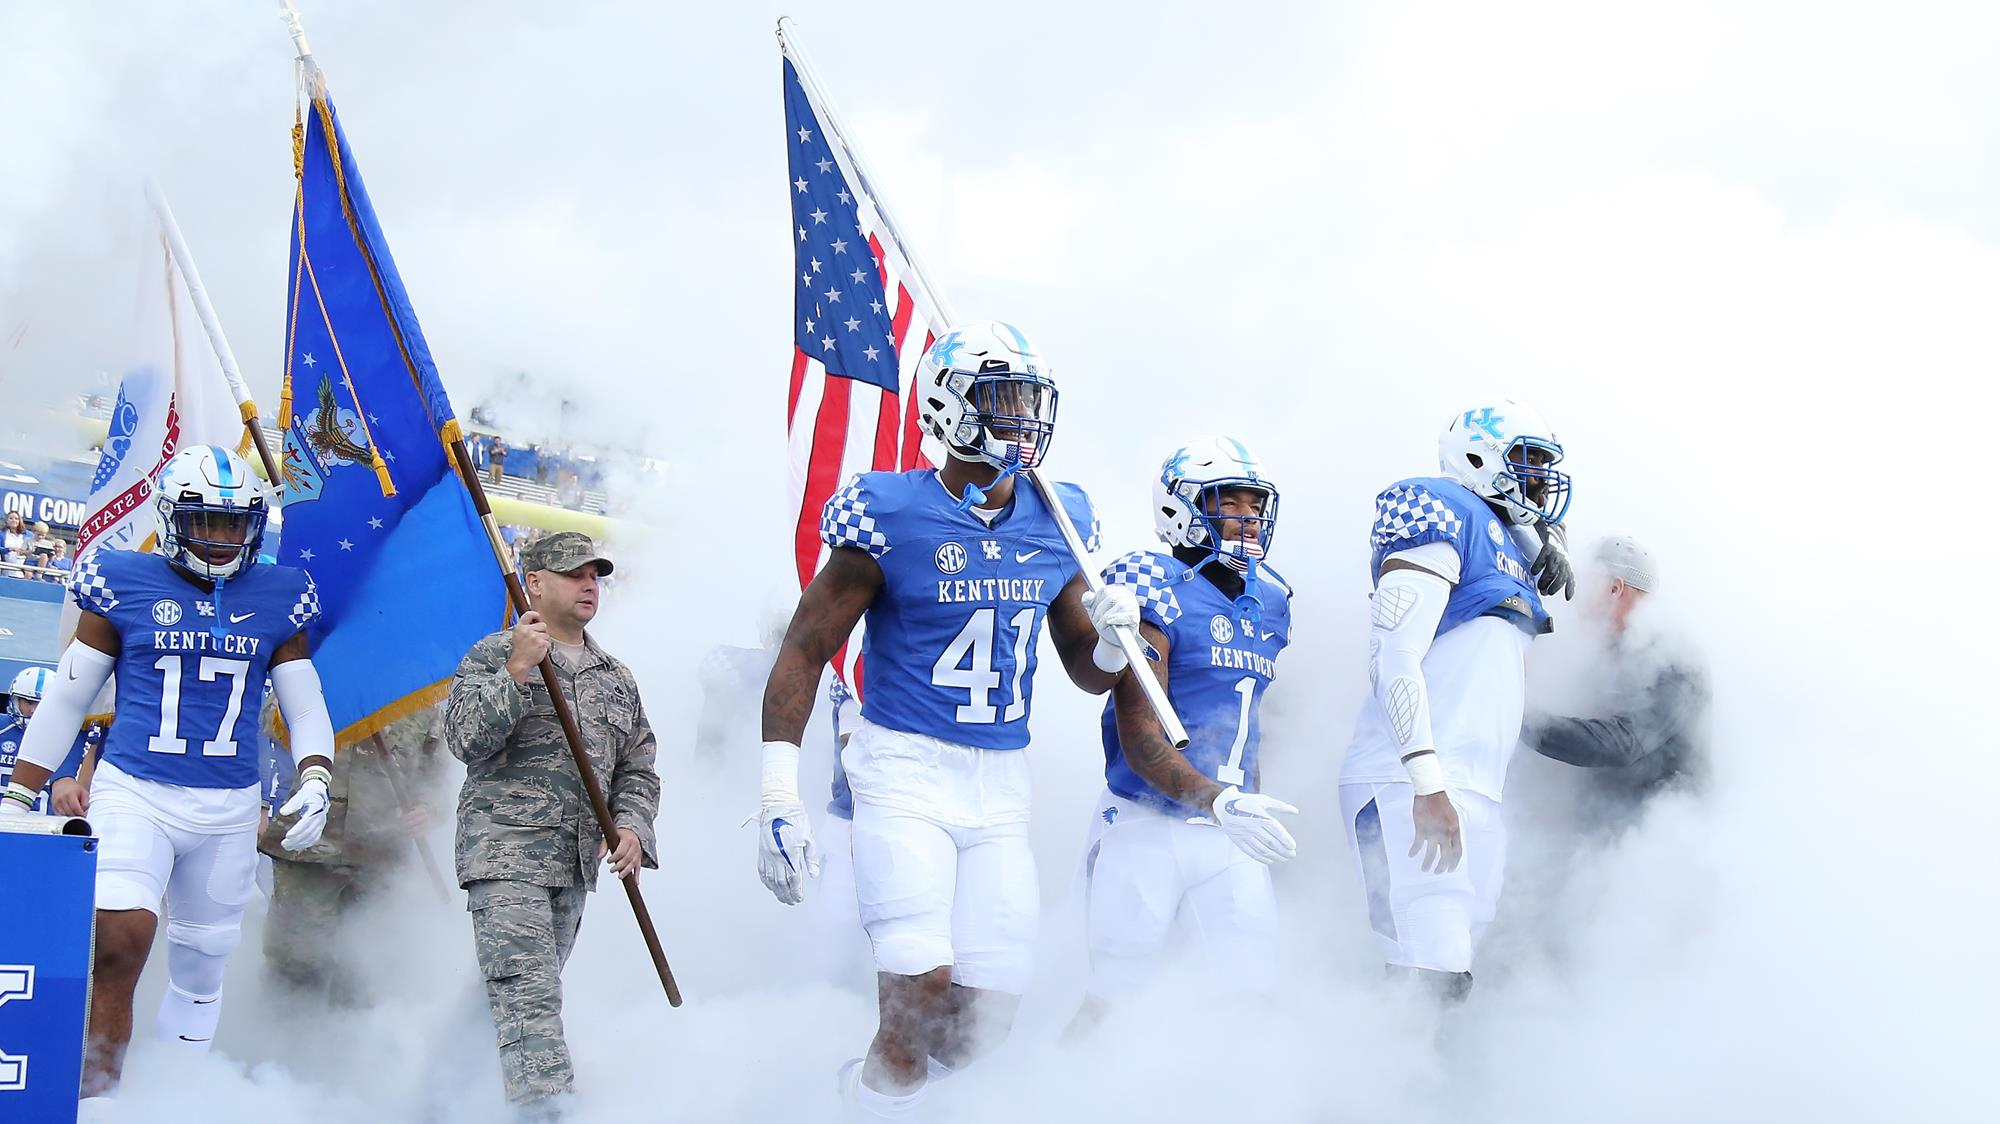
{"x": 79, "y": 676}
{"x": 1590, "y": 743}
{"x": 635, "y": 789}
{"x": 302, "y": 701}
{"x": 1407, "y": 606}
{"x": 485, "y": 705}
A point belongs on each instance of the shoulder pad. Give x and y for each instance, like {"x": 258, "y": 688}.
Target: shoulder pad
{"x": 89, "y": 584}
{"x": 1082, "y": 512}
{"x": 1411, "y": 513}
{"x": 853, "y": 515}
{"x": 1152, "y": 580}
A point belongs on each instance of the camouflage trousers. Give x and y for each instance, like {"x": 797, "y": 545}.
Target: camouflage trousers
{"x": 523, "y": 934}
{"x": 303, "y": 939}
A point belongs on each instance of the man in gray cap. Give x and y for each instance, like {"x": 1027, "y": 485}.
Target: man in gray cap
{"x": 528, "y": 846}
{"x": 1654, "y": 732}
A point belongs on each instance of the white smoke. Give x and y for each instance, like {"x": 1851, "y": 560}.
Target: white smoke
{"x": 1742, "y": 256}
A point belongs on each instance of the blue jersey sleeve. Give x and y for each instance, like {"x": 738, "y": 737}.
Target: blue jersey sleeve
{"x": 1152, "y": 583}
{"x": 91, "y": 587}
{"x": 1409, "y": 515}
{"x": 305, "y": 607}
{"x": 854, "y": 517}
{"x": 1083, "y": 513}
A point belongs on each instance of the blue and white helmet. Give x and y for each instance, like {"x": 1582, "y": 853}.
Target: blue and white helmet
{"x": 28, "y": 686}
{"x": 1507, "y": 454}
{"x": 1188, "y": 492}
{"x": 984, "y": 391}
{"x": 212, "y": 512}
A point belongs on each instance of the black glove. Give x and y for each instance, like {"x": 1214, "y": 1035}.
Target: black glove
{"x": 1552, "y": 570}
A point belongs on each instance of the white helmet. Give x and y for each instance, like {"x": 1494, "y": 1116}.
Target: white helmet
{"x": 1187, "y": 498}
{"x": 1491, "y": 450}
{"x": 984, "y": 391}
{"x": 212, "y": 512}
{"x": 28, "y": 687}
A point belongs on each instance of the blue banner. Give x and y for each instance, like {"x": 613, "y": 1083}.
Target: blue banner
{"x": 373, "y": 509}
{"x": 45, "y": 973}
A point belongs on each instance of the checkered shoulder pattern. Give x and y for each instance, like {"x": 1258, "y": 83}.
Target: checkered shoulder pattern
{"x": 306, "y": 609}
{"x": 1151, "y": 581}
{"x": 89, "y": 587}
{"x": 1083, "y": 513}
{"x": 1408, "y": 516}
{"x": 845, "y": 521}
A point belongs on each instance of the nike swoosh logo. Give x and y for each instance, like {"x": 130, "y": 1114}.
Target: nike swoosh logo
{"x": 1269, "y": 635}
{"x": 204, "y": 1003}
{"x": 780, "y": 841}
{"x": 1019, "y": 557}
{"x": 1230, "y": 808}
{"x": 185, "y": 1038}
{"x": 239, "y": 618}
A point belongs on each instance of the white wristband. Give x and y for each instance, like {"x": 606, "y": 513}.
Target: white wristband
{"x": 1426, "y": 772}
{"x": 781, "y": 776}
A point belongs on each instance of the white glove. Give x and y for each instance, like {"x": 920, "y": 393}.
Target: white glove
{"x": 1112, "y": 608}
{"x": 1247, "y": 818}
{"x": 309, "y": 800}
{"x": 786, "y": 853}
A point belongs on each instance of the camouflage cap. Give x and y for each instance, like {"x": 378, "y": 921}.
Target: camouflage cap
{"x": 563, "y": 552}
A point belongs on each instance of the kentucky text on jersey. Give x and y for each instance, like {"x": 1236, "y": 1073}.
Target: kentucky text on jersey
{"x": 192, "y": 662}
{"x": 992, "y": 589}
{"x": 950, "y": 643}
{"x": 1218, "y": 668}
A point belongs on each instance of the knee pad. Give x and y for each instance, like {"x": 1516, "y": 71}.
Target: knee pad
{"x": 196, "y": 953}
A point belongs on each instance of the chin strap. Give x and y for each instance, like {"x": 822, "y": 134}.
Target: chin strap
{"x": 1243, "y": 562}
{"x": 975, "y": 496}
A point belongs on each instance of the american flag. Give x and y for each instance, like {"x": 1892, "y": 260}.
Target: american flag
{"x": 857, "y": 335}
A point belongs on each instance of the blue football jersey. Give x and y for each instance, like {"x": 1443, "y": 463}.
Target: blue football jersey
{"x": 11, "y": 732}
{"x": 950, "y": 647}
{"x": 842, "y": 802}
{"x": 191, "y": 663}
{"x": 1219, "y": 664}
{"x": 1493, "y": 573}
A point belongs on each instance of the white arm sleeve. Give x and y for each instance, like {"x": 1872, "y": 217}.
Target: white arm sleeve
{"x": 303, "y": 704}
{"x": 1408, "y": 605}
{"x": 79, "y": 676}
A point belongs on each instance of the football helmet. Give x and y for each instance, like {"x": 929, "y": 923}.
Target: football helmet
{"x": 985, "y": 392}
{"x": 212, "y": 512}
{"x": 1187, "y": 499}
{"x": 28, "y": 687}
{"x": 1507, "y": 454}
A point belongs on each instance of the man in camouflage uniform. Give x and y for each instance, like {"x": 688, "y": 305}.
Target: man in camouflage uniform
{"x": 371, "y": 834}
{"x": 528, "y": 845}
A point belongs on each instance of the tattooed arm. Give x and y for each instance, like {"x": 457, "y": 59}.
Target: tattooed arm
{"x": 826, "y": 616}
{"x": 1145, "y": 742}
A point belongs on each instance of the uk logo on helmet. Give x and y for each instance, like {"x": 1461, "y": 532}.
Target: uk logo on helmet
{"x": 950, "y": 558}
{"x": 166, "y": 614}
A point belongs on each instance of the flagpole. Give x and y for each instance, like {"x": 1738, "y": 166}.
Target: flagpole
{"x": 184, "y": 262}
{"x": 829, "y": 119}
{"x": 517, "y": 595}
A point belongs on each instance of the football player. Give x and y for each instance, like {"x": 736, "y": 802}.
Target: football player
{"x": 191, "y": 631}
{"x": 22, "y": 699}
{"x": 956, "y": 569}
{"x": 1460, "y": 562}
{"x": 1215, "y": 617}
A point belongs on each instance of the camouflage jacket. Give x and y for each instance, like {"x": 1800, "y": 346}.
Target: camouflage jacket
{"x": 522, "y": 812}
{"x": 364, "y": 817}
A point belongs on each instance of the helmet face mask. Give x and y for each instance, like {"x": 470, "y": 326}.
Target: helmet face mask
{"x": 212, "y": 512}
{"x": 1016, "y": 417}
{"x": 1235, "y": 517}
{"x": 1213, "y": 495}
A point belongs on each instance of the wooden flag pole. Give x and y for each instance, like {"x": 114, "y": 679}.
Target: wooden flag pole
{"x": 404, "y": 805}
{"x": 517, "y": 595}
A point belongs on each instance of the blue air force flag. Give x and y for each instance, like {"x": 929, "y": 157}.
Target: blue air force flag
{"x": 372, "y": 505}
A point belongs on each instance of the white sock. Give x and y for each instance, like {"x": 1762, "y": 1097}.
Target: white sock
{"x": 188, "y": 1021}
{"x": 882, "y": 1106}
{"x": 96, "y": 1110}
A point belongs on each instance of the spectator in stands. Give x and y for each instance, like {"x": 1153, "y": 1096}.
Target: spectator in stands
{"x": 15, "y": 540}
{"x": 59, "y": 563}
{"x": 43, "y": 546}
{"x": 499, "y": 463}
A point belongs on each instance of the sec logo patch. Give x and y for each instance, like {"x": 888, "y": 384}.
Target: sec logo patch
{"x": 166, "y": 614}
{"x": 950, "y": 558}
{"x": 1220, "y": 628}
{"x": 1493, "y": 532}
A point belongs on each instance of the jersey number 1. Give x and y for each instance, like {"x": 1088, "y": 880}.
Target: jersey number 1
{"x": 168, "y": 740}
{"x": 974, "y": 646}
